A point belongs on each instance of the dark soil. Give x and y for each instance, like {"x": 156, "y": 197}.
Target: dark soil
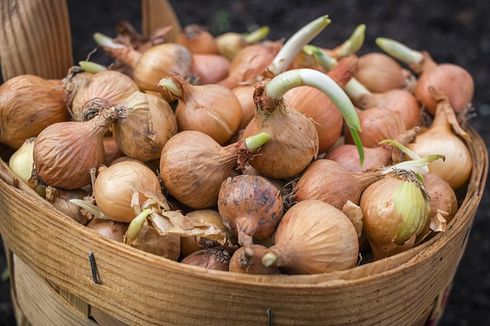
{"x": 452, "y": 31}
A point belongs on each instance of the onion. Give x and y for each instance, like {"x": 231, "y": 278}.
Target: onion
{"x": 451, "y": 80}
{"x": 152, "y": 65}
{"x": 61, "y": 201}
{"x": 76, "y": 79}
{"x": 28, "y": 104}
{"x": 229, "y": 44}
{"x": 250, "y": 206}
{"x": 211, "y": 109}
{"x": 313, "y": 237}
{"x": 244, "y": 95}
{"x": 396, "y": 210}
{"x": 193, "y": 165}
{"x": 109, "y": 229}
{"x": 210, "y": 68}
{"x": 379, "y": 73}
{"x": 123, "y": 186}
{"x": 214, "y": 258}
{"x": 440, "y": 139}
{"x": 249, "y": 261}
{"x": 111, "y": 150}
{"x": 295, "y": 139}
{"x": 376, "y": 125}
{"x": 65, "y": 152}
{"x": 145, "y": 123}
{"x": 197, "y": 40}
{"x": 105, "y": 89}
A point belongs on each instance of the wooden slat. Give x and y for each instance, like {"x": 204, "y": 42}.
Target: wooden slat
{"x": 35, "y": 38}
{"x": 159, "y": 13}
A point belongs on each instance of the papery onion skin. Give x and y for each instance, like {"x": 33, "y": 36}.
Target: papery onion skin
{"x": 210, "y": 68}
{"x": 442, "y": 196}
{"x": 451, "y": 80}
{"x": 149, "y": 240}
{"x": 111, "y": 150}
{"x": 348, "y": 157}
{"x": 244, "y": 95}
{"x": 251, "y": 264}
{"x": 379, "y": 73}
{"x": 145, "y": 123}
{"x": 315, "y": 237}
{"x": 74, "y": 82}
{"x": 109, "y": 229}
{"x": 61, "y": 201}
{"x": 106, "y": 88}
{"x": 214, "y": 258}
{"x": 250, "y": 206}
{"x": 115, "y": 185}
{"x": 65, "y": 152}
{"x": 197, "y": 40}
{"x": 29, "y": 104}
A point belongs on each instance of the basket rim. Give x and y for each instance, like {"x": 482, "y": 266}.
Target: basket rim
{"x": 398, "y": 263}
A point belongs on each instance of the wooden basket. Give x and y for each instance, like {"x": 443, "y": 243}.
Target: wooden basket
{"x": 53, "y": 282}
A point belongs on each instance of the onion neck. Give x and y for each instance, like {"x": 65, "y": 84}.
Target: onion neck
{"x": 323, "y": 59}
{"x": 356, "y": 90}
{"x": 121, "y": 52}
{"x": 445, "y": 117}
{"x": 295, "y": 43}
{"x": 367, "y": 178}
{"x": 243, "y": 151}
{"x": 352, "y": 44}
{"x": 257, "y": 35}
{"x": 172, "y": 87}
{"x": 135, "y": 226}
{"x": 102, "y": 122}
{"x": 278, "y": 256}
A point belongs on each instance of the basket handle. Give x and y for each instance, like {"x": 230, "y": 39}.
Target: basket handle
{"x": 35, "y": 38}
{"x": 159, "y": 13}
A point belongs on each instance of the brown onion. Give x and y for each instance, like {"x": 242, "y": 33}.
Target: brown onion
{"x": 313, "y": 237}
{"x": 65, "y": 152}
{"x": 229, "y": 44}
{"x": 211, "y": 109}
{"x": 250, "y": 62}
{"x": 144, "y": 124}
{"x": 111, "y": 150}
{"x": 109, "y": 229}
{"x": 197, "y": 40}
{"x": 328, "y": 181}
{"x": 61, "y": 201}
{"x": 380, "y": 73}
{"x": 210, "y": 68}
{"x": 193, "y": 165}
{"x": 249, "y": 261}
{"x": 250, "y": 206}
{"x": 105, "y": 89}
{"x": 28, "y": 104}
{"x": 244, "y": 95}
{"x": 214, "y": 258}
{"x": 153, "y": 64}
{"x": 125, "y": 184}
{"x": 440, "y": 139}
{"x": 150, "y": 240}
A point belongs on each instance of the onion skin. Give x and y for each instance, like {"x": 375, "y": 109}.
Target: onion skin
{"x": 74, "y": 82}
{"x": 109, "y": 229}
{"x": 29, "y": 104}
{"x": 379, "y": 73}
{"x": 145, "y": 123}
{"x": 65, "y": 152}
{"x": 105, "y": 89}
{"x": 250, "y": 262}
{"x": 217, "y": 259}
{"x": 348, "y": 158}
{"x": 442, "y": 196}
{"x": 377, "y": 125}
{"x": 111, "y": 150}
{"x": 193, "y": 166}
{"x": 149, "y": 240}
{"x": 60, "y": 199}
{"x": 315, "y": 237}
{"x": 197, "y": 40}
{"x": 451, "y": 80}
{"x": 115, "y": 186}
{"x": 250, "y": 62}
{"x": 321, "y": 181}
{"x": 244, "y": 95}
{"x": 210, "y": 68}
{"x": 250, "y": 206}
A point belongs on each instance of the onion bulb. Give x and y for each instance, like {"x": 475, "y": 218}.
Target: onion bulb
{"x": 229, "y": 44}
{"x": 440, "y": 139}
{"x": 111, "y": 150}
{"x": 105, "y": 89}
{"x": 28, "y": 104}
{"x": 250, "y": 206}
{"x": 295, "y": 139}
{"x": 193, "y": 165}
{"x": 211, "y": 109}
{"x": 213, "y": 258}
{"x": 197, "y": 40}
{"x": 313, "y": 237}
{"x": 124, "y": 186}
{"x": 109, "y": 229}
{"x": 249, "y": 261}
{"x": 61, "y": 201}
{"x": 380, "y": 73}
{"x": 153, "y": 64}
{"x": 244, "y": 95}
{"x": 395, "y": 211}
{"x": 144, "y": 124}
{"x": 65, "y": 152}
{"x": 210, "y": 68}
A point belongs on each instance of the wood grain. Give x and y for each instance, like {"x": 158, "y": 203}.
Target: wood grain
{"x": 159, "y": 13}
{"x": 139, "y": 288}
{"x": 35, "y": 38}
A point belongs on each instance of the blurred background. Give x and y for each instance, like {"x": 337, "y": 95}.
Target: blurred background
{"x": 456, "y": 31}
